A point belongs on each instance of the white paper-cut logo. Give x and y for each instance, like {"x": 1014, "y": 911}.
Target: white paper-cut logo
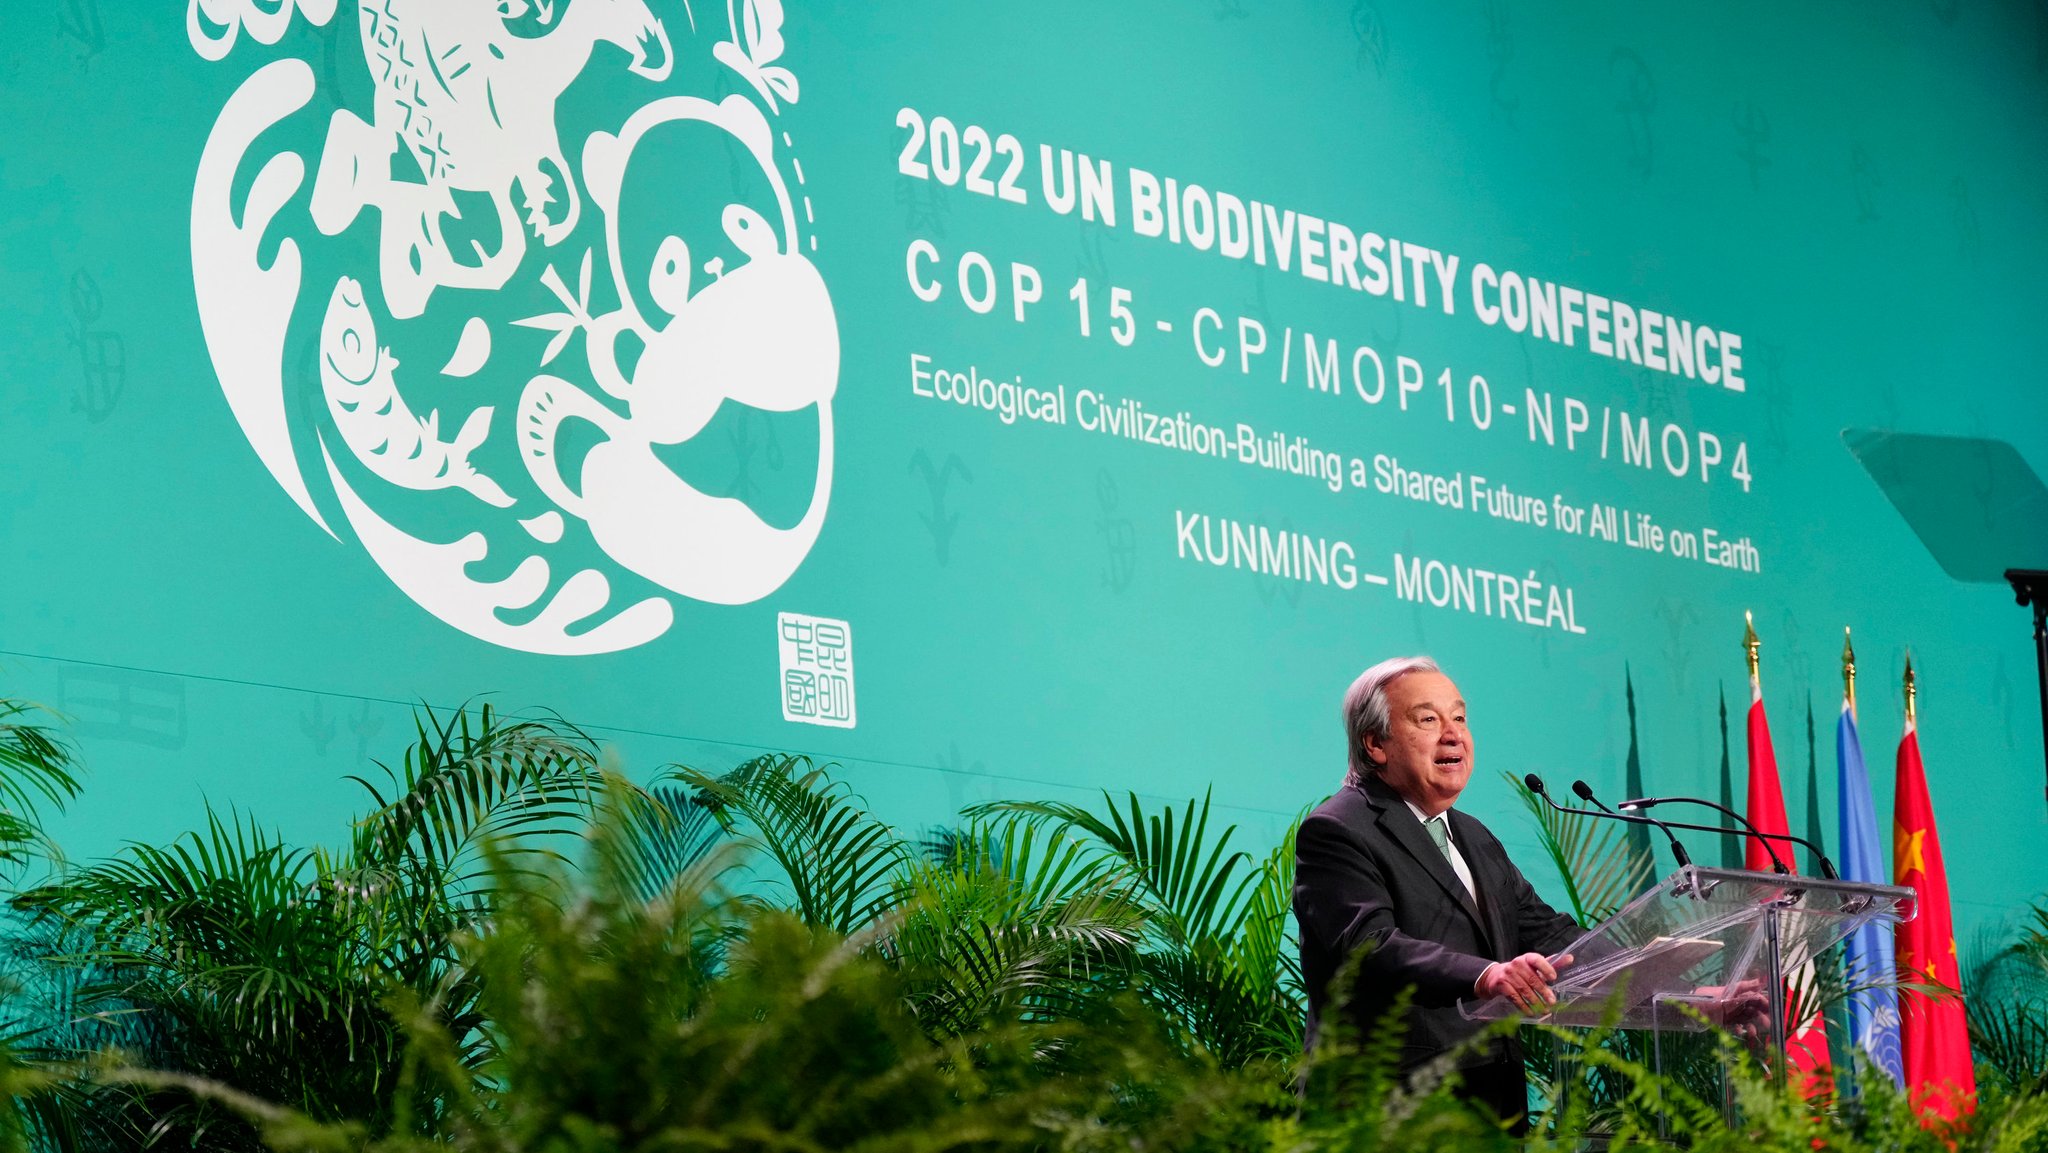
{"x": 555, "y": 469}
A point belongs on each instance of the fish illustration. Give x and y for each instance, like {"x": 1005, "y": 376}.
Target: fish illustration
{"x": 362, "y": 395}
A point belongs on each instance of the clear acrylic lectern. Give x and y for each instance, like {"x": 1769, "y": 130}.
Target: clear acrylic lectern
{"x": 1723, "y": 942}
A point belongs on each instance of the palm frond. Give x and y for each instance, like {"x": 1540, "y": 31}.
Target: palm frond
{"x": 211, "y": 885}
{"x": 222, "y": 955}
{"x": 650, "y": 839}
{"x": 1219, "y": 955}
{"x": 2006, "y": 1005}
{"x": 1267, "y": 951}
{"x": 1194, "y": 891}
{"x": 232, "y": 955}
{"x": 836, "y": 859}
{"x": 1236, "y": 1018}
{"x": 979, "y": 972}
{"x": 38, "y": 766}
{"x": 1015, "y": 862}
{"x": 2013, "y": 1040}
{"x": 472, "y": 778}
{"x": 1010, "y": 920}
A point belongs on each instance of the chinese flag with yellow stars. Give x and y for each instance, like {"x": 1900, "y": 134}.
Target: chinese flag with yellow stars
{"x": 1934, "y": 1035}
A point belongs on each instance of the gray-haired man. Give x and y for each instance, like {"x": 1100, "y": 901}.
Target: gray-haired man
{"x": 1387, "y": 862}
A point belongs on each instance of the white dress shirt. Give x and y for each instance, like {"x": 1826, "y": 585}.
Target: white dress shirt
{"x": 1458, "y": 864}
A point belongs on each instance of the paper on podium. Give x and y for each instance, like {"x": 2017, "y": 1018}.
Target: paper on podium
{"x": 1655, "y": 967}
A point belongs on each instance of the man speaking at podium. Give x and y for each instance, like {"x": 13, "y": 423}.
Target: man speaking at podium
{"x": 1389, "y": 866}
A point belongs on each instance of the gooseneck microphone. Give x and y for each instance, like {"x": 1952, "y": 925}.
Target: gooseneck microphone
{"x": 1827, "y": 867}
{"x": 1585, "y": 793}
{"x": 1535, "y": 784}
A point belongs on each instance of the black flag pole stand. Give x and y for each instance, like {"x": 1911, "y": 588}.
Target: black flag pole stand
{"x": 2030, "y": 587}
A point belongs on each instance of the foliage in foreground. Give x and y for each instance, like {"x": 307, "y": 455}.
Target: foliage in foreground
{"x": 516, "y": 951}
{"x": 234, "y": 957}
{"x": 616, "y": 1036}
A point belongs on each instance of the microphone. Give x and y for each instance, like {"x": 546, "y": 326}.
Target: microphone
{"x": 1827, "y": 867}
{"x": 1535, "y": 784}
{"x": 1585, "y": 793}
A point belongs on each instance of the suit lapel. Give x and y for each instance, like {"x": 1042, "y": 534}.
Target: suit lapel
{"x": 1488, "y": 877}
{"x": 1404, "y": 830}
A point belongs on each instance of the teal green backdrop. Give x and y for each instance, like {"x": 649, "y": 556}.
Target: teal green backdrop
{"x": 266, "y": 270}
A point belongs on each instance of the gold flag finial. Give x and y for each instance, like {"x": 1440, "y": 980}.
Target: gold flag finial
{"x": 1749, "y": 642}
{"x": 1912, "y": 690}
{"x": 1848, "y": 670}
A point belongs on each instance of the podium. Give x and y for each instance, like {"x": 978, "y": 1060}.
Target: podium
{"x": 1726, "y": 943}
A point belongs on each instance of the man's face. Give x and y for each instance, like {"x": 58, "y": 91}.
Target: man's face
{"x": 1427, "y": 755}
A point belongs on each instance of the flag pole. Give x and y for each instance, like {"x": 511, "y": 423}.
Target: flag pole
{"x": 1848, "y": 673}
{"x": 1912, "y": 717}
{"x": 1750, "y": 644}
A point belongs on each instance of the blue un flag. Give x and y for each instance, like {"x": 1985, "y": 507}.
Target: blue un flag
{"x": 1873, "y": 1013}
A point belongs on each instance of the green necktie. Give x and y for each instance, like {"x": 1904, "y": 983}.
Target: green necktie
{"x": 1440, "y": 831}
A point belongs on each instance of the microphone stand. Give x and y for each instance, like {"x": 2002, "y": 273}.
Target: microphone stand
{"x": 1535, "y": 784}
{"x": 1585, "y": 793}
{"x": 1827, "y": 867}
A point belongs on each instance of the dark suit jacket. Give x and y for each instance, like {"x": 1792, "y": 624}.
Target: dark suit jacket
{"x": 1366, "y": 872}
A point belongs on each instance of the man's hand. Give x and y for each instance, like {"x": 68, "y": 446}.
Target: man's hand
{"x": 1743, "y": 1008}
{"x": 1525, "y": 981}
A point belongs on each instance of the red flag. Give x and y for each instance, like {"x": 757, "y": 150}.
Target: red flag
{"x": 1936, "y": 1039}
{"x": 1766, "y": 799}
{"x": 1806, "y": 1042}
